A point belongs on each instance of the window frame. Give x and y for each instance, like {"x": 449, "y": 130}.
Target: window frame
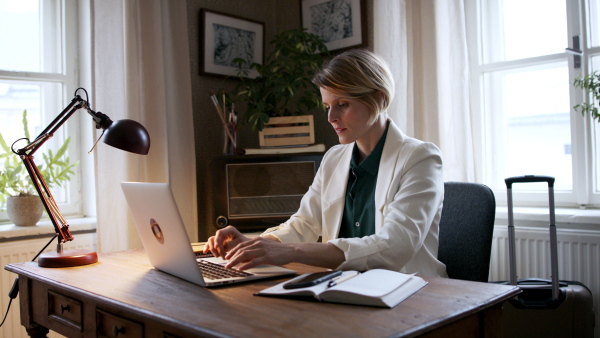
{"x": 67, "y": 77}
{"x": 584, "y": 194}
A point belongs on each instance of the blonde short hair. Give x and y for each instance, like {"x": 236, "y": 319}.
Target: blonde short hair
{"x": 359, "y": 74}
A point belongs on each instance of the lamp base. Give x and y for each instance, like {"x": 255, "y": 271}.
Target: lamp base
{"x": 67, "y": 258}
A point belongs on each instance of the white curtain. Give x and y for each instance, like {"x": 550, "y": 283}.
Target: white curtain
{"x": 425, "y": 43}
{"x": 140, "y": 71}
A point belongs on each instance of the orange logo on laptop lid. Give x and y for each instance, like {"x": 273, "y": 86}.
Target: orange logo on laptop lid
{"x": 157, "y": 231}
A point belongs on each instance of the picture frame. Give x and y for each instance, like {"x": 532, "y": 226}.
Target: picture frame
{"x": 340, "y": 23}
{"x": 226, "y": 37}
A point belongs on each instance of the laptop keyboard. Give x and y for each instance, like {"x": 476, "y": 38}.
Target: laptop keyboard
{"x": 212, "y": 270}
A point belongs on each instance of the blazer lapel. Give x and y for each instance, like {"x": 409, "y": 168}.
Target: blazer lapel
{"x": 387, "y": 170}
{"x": 335, "y": 192}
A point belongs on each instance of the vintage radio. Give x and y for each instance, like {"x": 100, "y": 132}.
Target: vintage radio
{"x": 254, "y": 192}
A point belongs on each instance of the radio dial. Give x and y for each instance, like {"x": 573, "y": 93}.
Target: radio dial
{"x": 221, "y": 221}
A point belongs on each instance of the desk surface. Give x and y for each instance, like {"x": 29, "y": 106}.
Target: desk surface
{"x": 124, "y": 283}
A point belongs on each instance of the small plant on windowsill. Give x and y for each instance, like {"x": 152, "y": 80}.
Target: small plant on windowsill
{"x": 591, "y": 84}
{"x": 283, "y": 86}
{"x": 16, "y": 185}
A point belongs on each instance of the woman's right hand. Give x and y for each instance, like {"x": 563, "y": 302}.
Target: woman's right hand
{"x": 224, "y": 240}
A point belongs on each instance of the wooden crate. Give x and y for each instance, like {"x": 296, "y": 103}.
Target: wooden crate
{"x": 288, "y": 131}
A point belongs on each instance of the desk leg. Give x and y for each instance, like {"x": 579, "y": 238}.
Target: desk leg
{"x": 25, "y": 302}
{"x": 37, "y": 331}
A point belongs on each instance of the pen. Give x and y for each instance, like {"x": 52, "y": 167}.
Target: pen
{"x": 341, "y": 279}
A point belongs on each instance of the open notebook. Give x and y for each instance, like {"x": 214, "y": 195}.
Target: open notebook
{"x": 168, "y": 246}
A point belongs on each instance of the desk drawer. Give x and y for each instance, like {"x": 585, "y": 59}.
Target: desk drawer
{"x": 110, "y": 325}
{"x": 65, "y": 310}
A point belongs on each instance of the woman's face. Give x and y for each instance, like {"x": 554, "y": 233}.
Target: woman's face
{"x": 349, "y": 117}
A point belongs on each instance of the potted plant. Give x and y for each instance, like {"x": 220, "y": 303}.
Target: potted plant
{"x": 17, "y": 193}
{"x": 591, "y": 84}
{"x": 283, "y": 86}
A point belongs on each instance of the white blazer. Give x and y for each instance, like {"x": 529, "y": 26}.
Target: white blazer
{"x": 408, "y": 201}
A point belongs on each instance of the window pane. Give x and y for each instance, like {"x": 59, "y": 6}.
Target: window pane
{"x": 530, "y": 109}
{"x": 595, "y": 66}
{"x": 594, "y": 22}
{"x": 520, "y": 29}
{"x": 22, "y": 24}
{"x": 14, "y": 99}
{"x": 40, "y": 103}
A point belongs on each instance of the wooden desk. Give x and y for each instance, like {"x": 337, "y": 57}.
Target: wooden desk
{"x": 122, "y": 292}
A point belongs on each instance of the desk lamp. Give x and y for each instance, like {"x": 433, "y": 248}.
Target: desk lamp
{"x": 124, "y": 134}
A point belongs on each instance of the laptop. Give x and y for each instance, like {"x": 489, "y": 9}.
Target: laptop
{"x": 168, "y": 246}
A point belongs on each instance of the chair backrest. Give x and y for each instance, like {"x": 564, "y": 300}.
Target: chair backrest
{"x": 466, "y": 228}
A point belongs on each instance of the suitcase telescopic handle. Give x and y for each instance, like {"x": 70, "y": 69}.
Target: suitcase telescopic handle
{"x": 511, "y": 229}
{"x": 529, "y": 179}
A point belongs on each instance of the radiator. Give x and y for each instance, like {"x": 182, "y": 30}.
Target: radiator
{"x": 578, "y": 257}
{"x": 23, "y": 251}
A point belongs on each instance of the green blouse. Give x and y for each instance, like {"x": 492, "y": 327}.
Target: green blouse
{"x": 359, "y": 211}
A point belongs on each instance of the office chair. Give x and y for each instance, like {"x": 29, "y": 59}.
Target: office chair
{"x": 466, "y": 227}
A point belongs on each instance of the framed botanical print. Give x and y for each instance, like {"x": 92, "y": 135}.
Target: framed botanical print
{"x": 340, "y": 23}
{"x": 226, "y": 38}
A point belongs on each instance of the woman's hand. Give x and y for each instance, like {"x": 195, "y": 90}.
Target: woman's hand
{"x": 223, "y": 241}
{"x": 269, "y": 250}
{"x": 244, "y": 253}
{"x": 257, "y": 251}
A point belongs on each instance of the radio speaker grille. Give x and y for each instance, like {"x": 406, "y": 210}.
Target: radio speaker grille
{"x": 260, "y": 189}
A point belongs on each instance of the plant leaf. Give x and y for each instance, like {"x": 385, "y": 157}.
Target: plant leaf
{"x": 25, "y": 124}
{"x": 4, "y": 146}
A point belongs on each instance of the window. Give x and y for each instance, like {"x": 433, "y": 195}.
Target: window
{"x": 38, "y": 73}
{"x": 523, "y": 96}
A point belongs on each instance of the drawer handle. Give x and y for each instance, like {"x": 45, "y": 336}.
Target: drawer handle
{"x": 117, "y": 330}
{"x": 64, "y": 308}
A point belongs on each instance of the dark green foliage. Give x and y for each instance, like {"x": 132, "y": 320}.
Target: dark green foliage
{"x": 591, "y": 83}
{"x": 283, "y": 87}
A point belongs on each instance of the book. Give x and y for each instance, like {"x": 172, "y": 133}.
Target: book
{"x": 377, "y": 287}
{"x": 286, "y": 150}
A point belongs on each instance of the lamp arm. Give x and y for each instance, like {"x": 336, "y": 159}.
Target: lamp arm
{"x": 76, "y": 104}
{"x": 102, "y": 121}
{"x": 26, "y": 154}
{"x": 60, "y": 223}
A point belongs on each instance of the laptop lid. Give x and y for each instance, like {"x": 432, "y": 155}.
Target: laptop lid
{"x": 165, "y": 240}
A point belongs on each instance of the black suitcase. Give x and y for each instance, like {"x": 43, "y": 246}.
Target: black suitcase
{"x": 545, "y": 308}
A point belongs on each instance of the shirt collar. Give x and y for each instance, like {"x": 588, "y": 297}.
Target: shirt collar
{"x": 371, "y": 163}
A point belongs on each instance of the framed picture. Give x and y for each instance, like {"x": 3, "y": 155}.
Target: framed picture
{"x": 340, "y": 23}
{"x": 225, "y": 38}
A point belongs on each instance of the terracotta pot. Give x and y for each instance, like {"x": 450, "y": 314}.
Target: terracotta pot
{"x": 24, "y": 210}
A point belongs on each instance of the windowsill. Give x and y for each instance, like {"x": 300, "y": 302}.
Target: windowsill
{"x": 11, "y": 232}
{"x": 566, "y": 218}
{"x": 581, "y": 219}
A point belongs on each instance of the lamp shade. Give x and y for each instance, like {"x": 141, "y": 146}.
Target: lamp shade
{"x": 128, "y": 135}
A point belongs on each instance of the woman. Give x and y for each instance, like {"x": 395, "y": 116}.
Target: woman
{"x": 376, "y": 199}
